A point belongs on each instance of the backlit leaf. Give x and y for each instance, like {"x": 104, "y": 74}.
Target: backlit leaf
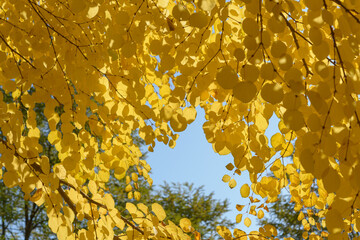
{"x": 245, "y": 190}
{"x": 159, "y": 211}
{"x": 247, "y": 222}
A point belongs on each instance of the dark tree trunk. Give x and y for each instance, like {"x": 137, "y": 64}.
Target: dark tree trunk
{"x": 30, "y": 218}
{"x": 27, "y": 232}
{"x": 3, "y": 221}
{"x": 3, "y": 228}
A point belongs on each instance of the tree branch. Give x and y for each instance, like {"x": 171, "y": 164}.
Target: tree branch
{"x": 346, "y": 10}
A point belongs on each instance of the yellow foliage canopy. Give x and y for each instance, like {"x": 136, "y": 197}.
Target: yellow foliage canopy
{"x": 106, "y": 68}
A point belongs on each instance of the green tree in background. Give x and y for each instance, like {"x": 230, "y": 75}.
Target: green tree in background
{"x": 21, "y": 219}
{"x": 9, "y": 215}
{"x": 179, "y": 200}
{"x": 284, "y": 218}
{"x": 184, "y": 200}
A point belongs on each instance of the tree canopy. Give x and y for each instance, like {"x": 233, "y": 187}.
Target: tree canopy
{"x": 185, "y": 200}
{"x": 288, "y": 222}
{"x": 104, "y": 69}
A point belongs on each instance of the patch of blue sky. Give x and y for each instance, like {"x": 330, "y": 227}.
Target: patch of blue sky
{"x": 194, "y": 160}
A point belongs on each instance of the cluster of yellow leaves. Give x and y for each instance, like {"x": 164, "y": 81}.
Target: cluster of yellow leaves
{"x": 104, "y": 69}
{"x": 265, "y": 232}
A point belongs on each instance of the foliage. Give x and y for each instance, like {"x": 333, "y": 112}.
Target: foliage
{"x": 179, "y": 200}
{"x": 21, "y": 219}
{"x": 9, "y": 205}
{"x": 184, "y": 200}
{"x": 283, "y": 217}
{"x": 104, "y": 69}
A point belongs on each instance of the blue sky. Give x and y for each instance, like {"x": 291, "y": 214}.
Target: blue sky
{"x": 193, "y": 160}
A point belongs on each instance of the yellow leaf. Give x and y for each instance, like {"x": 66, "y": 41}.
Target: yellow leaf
{"x": 267, "y": 72}
{"x": 232, "y": 183}
{"x": 301, "y": 216}
{"x": 245, "y": 91}
{"x": 307, "y": 161}
{"x": 239, "y": 207}
{"x": 278, "y": 48}
{"x": 287, "y": 149}
{"x": 10, "y": 179}
{"x": 134, "y": 177}
{"x": 227, "y": 78}
{"x": 250, "y": 73}
{"x": 261, "y": 122}
{"x": 334, "y": 221}
{"x": 314, "y": 4}
{"x": 178, "y": 122}
{"x": 69, "y": 164}
{"x": 92, "y": 12}
{"x": 239, "y": 54}
{"x": 166, "y": 112}
{"x": 315, "y": 35}
{"x": 277, "y": 140}
{"x": 285, "y": 62}
{"x": 92, "y": 187}
{"x": 270, "y": 230}
{"x": 247, "y": 222}
{"x": 207, "y": 5}
{"x": 272, "y": 93}
{"x": 197, "y": 235}
{"x": 252, "y": 210}
{"x": 245, "y": 190}
{"x": 54, "y": 223}
{"x": 276, "y": 24}
{"x": 131, "y": 207}
{"x": 54, "y": 137}
{"x": 260, "y": 214}
{"x": 255, "y": 165}
{"x": 229, "y": 166}
{"x": 109, "y": 201}
{"x": 63, "y": 232}
{"x": 189, "y": 114}
{"x": 180, "y": 12}
{"x": 159, "y": 211}
{"x": 68, "y": 213}
{"x": 293, "y": 119}
{"x": 321, "y": 50}
{"x": 198, "y": 20}
{"x": 250, "y": 27}
{"x": 104, "y": 175}
{"x": 331, "y": 180}
{"x": 224, "y": 232}
{"x": 226, "y": 178}
{"x": 322, "y": 69}
{"x": 163, "y": 3}
{"x": 37, "y": 195}
{"x": 185, "y": 224}
{"x": 77, "y": 6}
{"x": 240, "y": 235}
{"x": 34, "y": 132}
{"x": 45, "y": 165}
{"x": 143, "y": 208}
{"x": 238, "y": 218}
